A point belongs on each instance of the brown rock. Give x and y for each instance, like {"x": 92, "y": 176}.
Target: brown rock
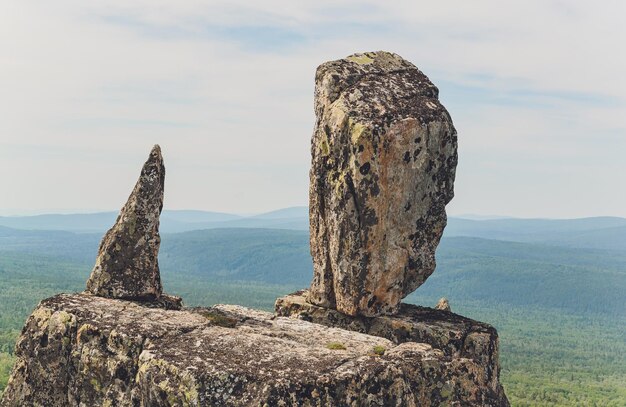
{"x": 384, "y": 154}
{"x": 127, "y": 264}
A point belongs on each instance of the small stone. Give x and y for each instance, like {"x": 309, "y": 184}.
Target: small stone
{"x": 384, "y": 155}
{"x": 443, "y": 304}
{"x": 127, "y": 264}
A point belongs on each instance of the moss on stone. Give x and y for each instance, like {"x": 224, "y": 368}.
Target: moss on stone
{"x": 335, "y": 346}
{"x": 219, "y": 319}
{"x": 379, "y": 350}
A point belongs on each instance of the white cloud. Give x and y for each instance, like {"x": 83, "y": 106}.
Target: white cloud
{"x": 536, "y": 89}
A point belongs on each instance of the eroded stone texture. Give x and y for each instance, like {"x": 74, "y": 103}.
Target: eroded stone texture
{"x": 443, "y": 304}
{"x": 384, "y": 153}
{"x": 127, "y": 263}
{"x": 78, "y": 350}
{"x": 454, "y": 335}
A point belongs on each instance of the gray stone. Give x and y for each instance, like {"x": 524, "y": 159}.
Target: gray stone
{"x": 127, "y": 264}
{"x": 454, "y": 335}
{"x": 384, "y": 155}
{"x": 82, "y": 350}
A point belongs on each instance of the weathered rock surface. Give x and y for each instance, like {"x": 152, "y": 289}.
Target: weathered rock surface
{"x": 454, "y": 335}
{"x": 443, "y": 304}
{"x": 384, "y": 154}
{"x": 83, "y": 350}
{"x": 127, "y": 264}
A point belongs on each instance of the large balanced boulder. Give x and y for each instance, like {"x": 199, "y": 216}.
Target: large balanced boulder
{"x": 127, "y": 263}
{"x": 384, "y": 154}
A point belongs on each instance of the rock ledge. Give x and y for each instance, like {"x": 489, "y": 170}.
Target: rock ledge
{"x": 78, "y": 350}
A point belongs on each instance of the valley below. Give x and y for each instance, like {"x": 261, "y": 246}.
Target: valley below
{"x": 554, "y": 289}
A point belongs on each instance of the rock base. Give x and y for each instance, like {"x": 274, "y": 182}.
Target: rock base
{"x": 454, "y": 335}
{"x": 79, "y": 350}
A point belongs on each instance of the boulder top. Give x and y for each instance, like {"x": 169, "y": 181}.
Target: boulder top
{"x": 378, "y": 88}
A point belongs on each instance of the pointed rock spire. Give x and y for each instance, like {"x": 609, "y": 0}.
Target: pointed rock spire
{"x": 127, "y": 265}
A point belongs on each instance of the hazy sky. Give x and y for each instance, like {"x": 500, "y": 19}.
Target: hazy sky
{"x": 536, "y": 89}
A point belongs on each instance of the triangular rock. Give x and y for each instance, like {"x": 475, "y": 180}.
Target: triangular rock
{"x": 127, "y": 265}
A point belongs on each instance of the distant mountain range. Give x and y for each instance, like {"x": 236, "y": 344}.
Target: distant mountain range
{"x": 172, "y": 221}
{"x": 595, "y": 232}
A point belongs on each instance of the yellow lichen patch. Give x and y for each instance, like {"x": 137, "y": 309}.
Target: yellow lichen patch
{"x": 41, "y": 316}
{"x": 337, "y": 183}
{"x": 85, "y": 332}
{"x": 337, "y": 118}
{"x": 59, "y": 322}
{"x": 357, "y": 130}
{"x": 361, "y": 59}
{"x": 179, "y": 386}
{"x": 323, "y": 145}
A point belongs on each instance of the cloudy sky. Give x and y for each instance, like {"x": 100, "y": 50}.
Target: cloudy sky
{"x": 536, "y": 88}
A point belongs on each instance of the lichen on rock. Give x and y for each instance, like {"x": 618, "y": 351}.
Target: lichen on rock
{"x": 84, "y": 350}
{"x": 127, "y": 263}
{"x": 384, "y": 154}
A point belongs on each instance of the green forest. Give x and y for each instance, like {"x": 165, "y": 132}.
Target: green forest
{"x": 560, "y": 312}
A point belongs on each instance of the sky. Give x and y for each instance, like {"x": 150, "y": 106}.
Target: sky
{"x": 536, "y": 90}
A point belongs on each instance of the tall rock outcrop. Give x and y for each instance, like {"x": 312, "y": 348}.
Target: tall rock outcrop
{"x": 127, "y": 264}
{"x": 374, "y": 231}
{"x": 384, "y": 154}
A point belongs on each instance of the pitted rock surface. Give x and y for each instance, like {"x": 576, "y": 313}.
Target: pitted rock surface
{"x": 384, "y": 155}
{"x": 79, "y": 350}
{"x": 127, "y": 264}
{"x": 455, "y": 335}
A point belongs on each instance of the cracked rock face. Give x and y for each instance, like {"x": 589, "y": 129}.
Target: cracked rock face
{"x": 384, "y": 154}
{"x": 127, "y": 263}
{"x": 83, "y": 350}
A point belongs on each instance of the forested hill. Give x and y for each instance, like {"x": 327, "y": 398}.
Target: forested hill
{"x": 554, "y": 289}
{"x": 469, "y": 268}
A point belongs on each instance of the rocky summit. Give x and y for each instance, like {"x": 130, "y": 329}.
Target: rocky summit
{"x": 81, "y": 350}
{"x": 384, "y": 155}
{"x": 127, "y": 264}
